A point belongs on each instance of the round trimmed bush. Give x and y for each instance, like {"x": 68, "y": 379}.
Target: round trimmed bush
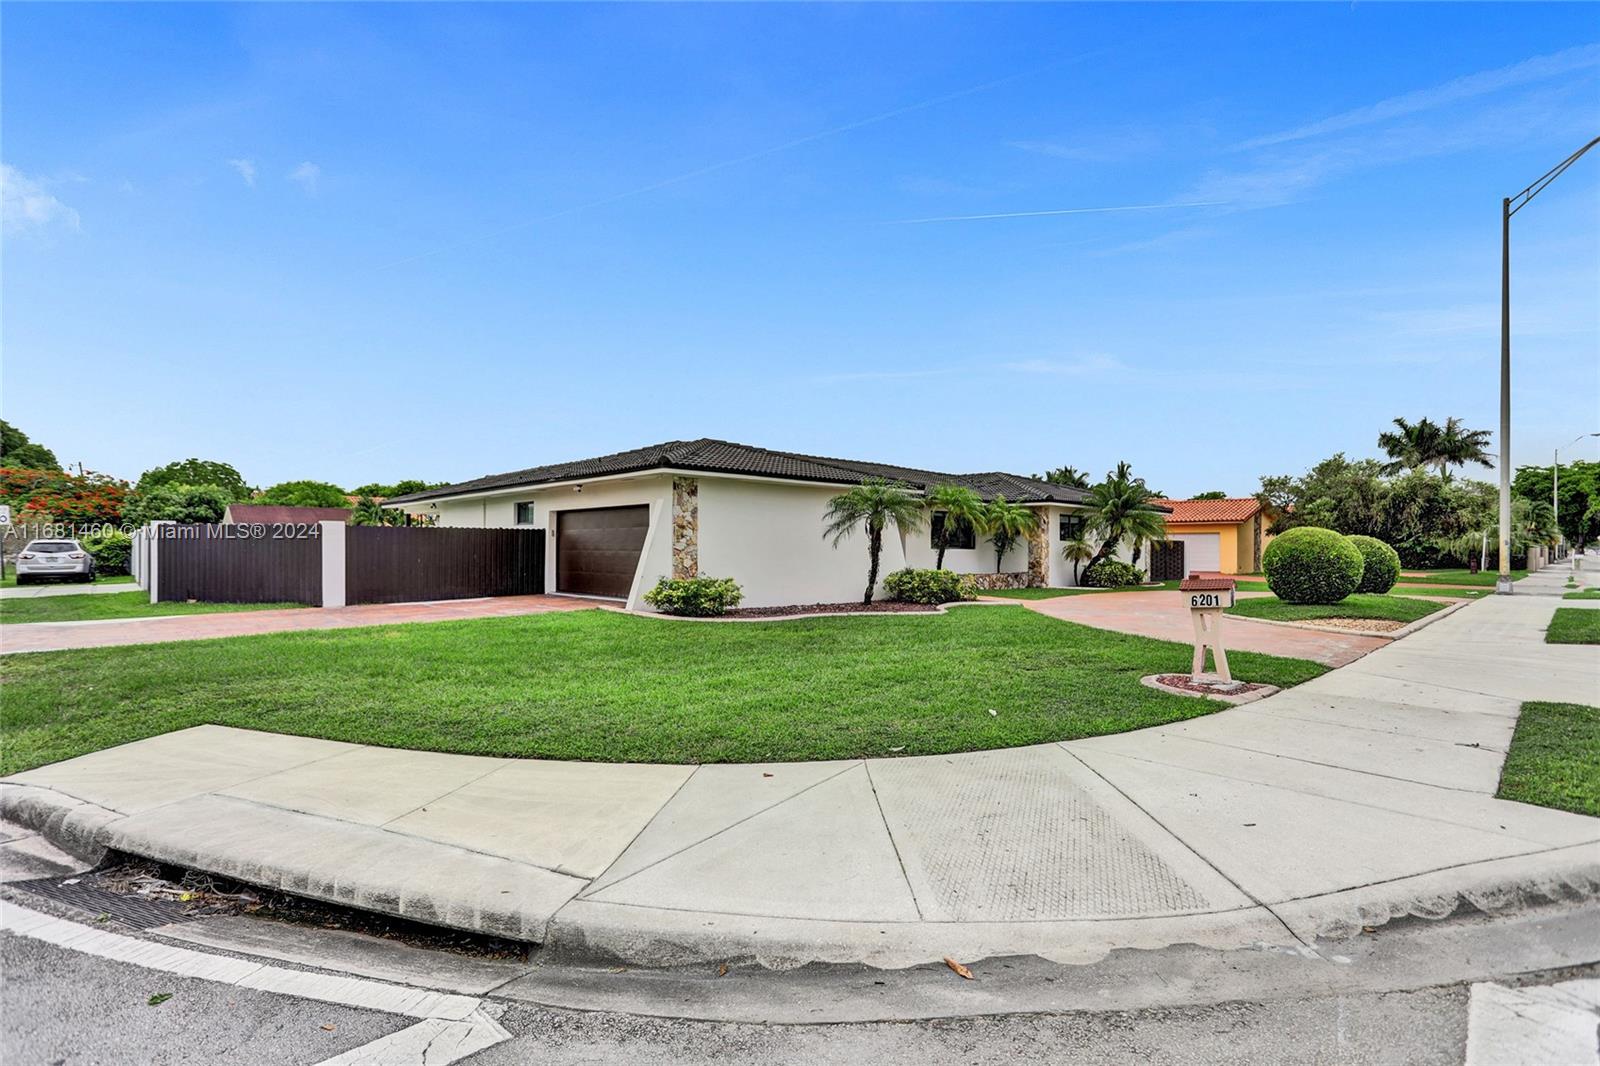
{"x": 1381, "y": 564}
{"x": 1312, "y": 565}
{"x": 1111, "y": 574}
{"x": 930, "y": 586}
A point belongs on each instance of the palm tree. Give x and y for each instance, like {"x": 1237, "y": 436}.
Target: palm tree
{"x": 1119, "y": 507}
{"x": 1066, "y": 475}
{"x": 1411, "y": 446}
{"x": 1076, "y": 551}
{"x": 369, "y": 512}
{"x": 961, "y": 506}
{"x": 1459, "y": 446}
{"x": 874, "y": 503}
{"x": 1005, "y": 523}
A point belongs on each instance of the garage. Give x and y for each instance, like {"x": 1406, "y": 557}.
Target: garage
{"x": 597, "y": 550}
{"x": 1201, "y": 551}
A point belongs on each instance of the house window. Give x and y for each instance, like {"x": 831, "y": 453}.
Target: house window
{"x": 524, "y": 514}
{"x": 1072, "y": 527}
{"x": 961, "y": 535}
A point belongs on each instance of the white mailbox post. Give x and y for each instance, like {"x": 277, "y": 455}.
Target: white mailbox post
{"x": 1208, "y": 597}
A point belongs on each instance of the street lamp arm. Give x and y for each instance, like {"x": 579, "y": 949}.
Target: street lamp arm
{"x": 1519, "y": 201}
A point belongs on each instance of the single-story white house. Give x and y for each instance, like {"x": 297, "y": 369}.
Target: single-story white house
{"x": 617, "y": 523}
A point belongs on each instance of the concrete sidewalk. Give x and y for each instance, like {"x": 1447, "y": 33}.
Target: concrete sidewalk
{"x": 34, "y": 592}
{"x": 1362, "y": 795}
{"x": 158, "y": 629}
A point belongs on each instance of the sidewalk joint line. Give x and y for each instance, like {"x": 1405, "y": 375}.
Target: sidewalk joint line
{"x": 893, "y": 843}
{"x": 731, "y": 825}
{"x": 504, "y": 762}
{"x": 1251, "y": 896}
{"x": 647, "y": 824}
{"x": 1334, "y": 765}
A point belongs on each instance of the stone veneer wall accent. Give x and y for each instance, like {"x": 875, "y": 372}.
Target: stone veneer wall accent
{"x": 685, "y": 527}
{"x": 1015, "y": 579}
{"x": 1039, "y": 555}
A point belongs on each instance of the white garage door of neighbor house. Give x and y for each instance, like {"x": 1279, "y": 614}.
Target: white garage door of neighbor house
{"x": 1201, "y": 551}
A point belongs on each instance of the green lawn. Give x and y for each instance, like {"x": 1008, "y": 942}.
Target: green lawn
{"x": 1586, "y": 594}
{"x": 10, "y": 580}
{"x": 1458, "y": 577}
{"x": 1360, "y": 605}
{"x": 1553, "y": 756}
{"x": 110, "y": 605}
{"x": 1050, "y": 594}
{"x": 601, "y": 685}
{"x": 1574, "y": 625}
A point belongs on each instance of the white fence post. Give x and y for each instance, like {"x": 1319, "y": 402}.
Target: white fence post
{"x": 333, "y": 590}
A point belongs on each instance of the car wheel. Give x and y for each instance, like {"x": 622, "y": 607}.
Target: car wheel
{"x": 23, "y": 579}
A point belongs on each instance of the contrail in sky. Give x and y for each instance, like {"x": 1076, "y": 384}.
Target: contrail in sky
{"x": 1062, "y": 211}
{"x": 751, "y": 157}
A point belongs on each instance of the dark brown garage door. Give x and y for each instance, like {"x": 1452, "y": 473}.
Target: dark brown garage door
{"x": 597, "y": 551}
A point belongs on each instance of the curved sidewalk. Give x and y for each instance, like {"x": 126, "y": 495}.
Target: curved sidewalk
{"x": 1365, "y": 794}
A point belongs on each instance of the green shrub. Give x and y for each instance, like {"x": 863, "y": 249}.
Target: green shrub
{"x": 1111, "y": 574}
{"x": 699, "y": 597}
{"x": 110, "y": 550}
{"x": 1309, "y": 564}
{"x": 177, "y": 503}
{"x": 930, "y": 586}
{"x": 1380, "y": 564}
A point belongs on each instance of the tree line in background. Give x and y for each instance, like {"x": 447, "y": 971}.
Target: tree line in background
{"x": 1415, "y": 503}
{"x": 188, "y": 490}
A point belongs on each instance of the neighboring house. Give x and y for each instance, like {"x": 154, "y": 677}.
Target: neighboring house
{"x": 617, "y": 523}
{"x": 1218, "y": 536}
{"x": 274, "y": 514}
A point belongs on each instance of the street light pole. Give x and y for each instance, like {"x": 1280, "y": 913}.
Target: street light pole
{"x": 1508, "y": 207}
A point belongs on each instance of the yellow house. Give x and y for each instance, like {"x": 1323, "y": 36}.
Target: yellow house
{"x": 1218, "y": 536}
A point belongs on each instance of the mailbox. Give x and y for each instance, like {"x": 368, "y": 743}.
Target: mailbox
{"x": 1208, "y": 598}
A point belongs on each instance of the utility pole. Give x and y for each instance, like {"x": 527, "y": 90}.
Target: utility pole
{"x": 1502, "y": 584}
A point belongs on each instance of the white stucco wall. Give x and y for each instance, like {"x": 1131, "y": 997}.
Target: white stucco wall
{"x": 767, "y": 536}
{"x": 978, "y": 559}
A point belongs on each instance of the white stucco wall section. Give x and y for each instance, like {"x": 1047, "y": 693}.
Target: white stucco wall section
{"x": 767, "y": 536}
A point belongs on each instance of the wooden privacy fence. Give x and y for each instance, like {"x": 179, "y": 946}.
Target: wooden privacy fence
{"x": 397, "y": 564}
{"x": 229, "y": 564}
{"x": 331, "y": 564}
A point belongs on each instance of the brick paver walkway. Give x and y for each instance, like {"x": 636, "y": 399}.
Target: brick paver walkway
{"x": 1165, "y": 616}
{"x": 61, "y": 636}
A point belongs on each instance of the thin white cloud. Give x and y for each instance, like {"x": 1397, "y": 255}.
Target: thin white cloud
{"x": 308, "y": 175}
{"x": 1096, "y": 146}
{"x": 27, "y": 206}
{"x": 246, "y": 169}
{"x": 1058, "y": 211}
{"x": 1085, "y": 366}
{"x": 1539, "y": 68}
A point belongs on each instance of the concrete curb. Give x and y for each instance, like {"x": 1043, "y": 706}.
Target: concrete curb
{"x": 75, "y": 826}
{"x": 1496, "y": 887}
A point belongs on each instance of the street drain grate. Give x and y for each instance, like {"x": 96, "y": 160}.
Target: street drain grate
{"x": 136, "y": 912}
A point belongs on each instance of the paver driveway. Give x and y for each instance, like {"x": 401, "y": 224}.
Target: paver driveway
{"x": 1165, "y": 616}
{"x": 61, "y": 636}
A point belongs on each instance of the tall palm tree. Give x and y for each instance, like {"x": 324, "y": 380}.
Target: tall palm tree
{"x": 874, "y": 504}
{"x": 1411, "y": 446}
{"x": 1066, "y": 475}
{"x": 1120, "y": 507}
{"x": 1005, "y": 523}
{"x": 1459, "y": 446}
{"x": 960, "y": 506}
{"x": 1076, "y": 551}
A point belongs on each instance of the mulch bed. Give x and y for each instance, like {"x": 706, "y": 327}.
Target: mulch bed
{"x": 855, "y": 607}
{"x": 1204, "y": 687}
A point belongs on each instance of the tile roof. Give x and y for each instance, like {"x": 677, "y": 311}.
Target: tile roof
{"x": 1197, "y": 512}
{"x": 724, "y": 457}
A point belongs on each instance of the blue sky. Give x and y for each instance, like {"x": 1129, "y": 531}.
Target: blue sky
{"x": 372, "y": 242}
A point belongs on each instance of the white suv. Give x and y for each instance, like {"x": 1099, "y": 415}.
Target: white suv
{"x": 54, "y": 558}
